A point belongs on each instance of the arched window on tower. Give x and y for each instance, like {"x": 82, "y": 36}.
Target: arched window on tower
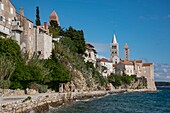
{"x": 89, "y": 55}
{"x": 115, "y": 61}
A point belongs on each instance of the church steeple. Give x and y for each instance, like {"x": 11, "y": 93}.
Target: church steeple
{"x": 114, "y": 39}
{"x": 126, "y": 52}
{"x": 114, "y": 50}
{"x": 54, "y": 16}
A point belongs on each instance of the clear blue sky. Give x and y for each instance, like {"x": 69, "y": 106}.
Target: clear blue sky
{"x": 143, "y": 24}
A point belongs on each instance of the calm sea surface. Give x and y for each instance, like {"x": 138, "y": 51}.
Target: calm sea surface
{"x": 121, "y": 103}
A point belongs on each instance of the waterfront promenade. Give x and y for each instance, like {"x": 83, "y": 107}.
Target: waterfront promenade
{"x": 41, "y": 102}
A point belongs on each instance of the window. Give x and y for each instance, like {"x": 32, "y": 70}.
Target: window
{"x": 113, "y": 47}
{"x": 89, "y": 55}
{"x": 18, "y": 23}
{"x": 138, "y": 68}
{"x": 1, "y": 18}
{"x": 11, "y": 10}
{"x": 2, "y": 6}
{"x": 39, "y": 52}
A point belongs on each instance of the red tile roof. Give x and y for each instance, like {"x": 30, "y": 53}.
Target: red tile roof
{"x": 126, "y": 46}
{"x": 54, "y": 16}
{"x": 126, "y": 63}
{"x": 104, "y": 60}
{"x": 114, "y": 65}
{"x": 147, "y": 64}
{"x": 137, "y": 61}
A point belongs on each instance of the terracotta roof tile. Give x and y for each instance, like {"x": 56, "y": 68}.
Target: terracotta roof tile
{"x": 126, "y": 63}
{"x": 114, "y": 65}
{"x": 104, "y": 60}
{"x": 147, "y": 64}
{"x": 54, "y": 16}
{"x": 137, "y": 61}
{"x": 126, "y": 46}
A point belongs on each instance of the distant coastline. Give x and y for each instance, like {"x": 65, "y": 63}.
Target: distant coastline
{"x": 162, "y": 84}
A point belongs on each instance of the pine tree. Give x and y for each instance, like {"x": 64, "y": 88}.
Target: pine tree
{"x": 38, "y": 22}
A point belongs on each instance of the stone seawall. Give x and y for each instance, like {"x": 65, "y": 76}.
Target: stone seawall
{"x": 42, "y": 103}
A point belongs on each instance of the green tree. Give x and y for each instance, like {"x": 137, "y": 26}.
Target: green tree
{"x": 54, "y": 24}
{"x": 77, "y": 36}
{"x": 7, "y": 68}
{"x": 55, "y": 29}
{"x": 38, "y": 22}
{"x": 115, "y": 79}
{"x": 10, "y": 49}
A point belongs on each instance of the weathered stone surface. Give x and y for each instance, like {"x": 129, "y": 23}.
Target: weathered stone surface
{"x": 32, "y": 92}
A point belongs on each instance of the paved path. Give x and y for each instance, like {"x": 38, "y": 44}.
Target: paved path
{"x": 10, "y": 99}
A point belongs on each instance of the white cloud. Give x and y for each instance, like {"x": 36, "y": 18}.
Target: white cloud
{"x": 168, "y": 77}
{"x": 100, "y": 47}
{"x": 157, "y": 75}
{"x": 162, "y": 72}
{"x": 165, "y": 70}
{"x": 100, "y": 56}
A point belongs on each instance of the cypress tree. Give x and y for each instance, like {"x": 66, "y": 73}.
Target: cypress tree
{"x": 38, "y": 22}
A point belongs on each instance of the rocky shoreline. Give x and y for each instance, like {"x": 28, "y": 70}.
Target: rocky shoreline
{"x": 41, "y": 102}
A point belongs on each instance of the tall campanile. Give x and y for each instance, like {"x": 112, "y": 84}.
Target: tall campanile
{"x": 126, "y": 52}
{"x": 114, "y": 51}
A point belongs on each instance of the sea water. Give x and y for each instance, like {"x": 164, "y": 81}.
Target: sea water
{"x": 141, "y": 102}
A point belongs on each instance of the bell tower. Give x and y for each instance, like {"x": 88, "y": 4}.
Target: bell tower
{"x": 114, "y": 51}
{"x": 126, "y": 52}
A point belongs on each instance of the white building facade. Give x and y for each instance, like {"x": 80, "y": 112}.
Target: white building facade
{"x": 90, "y": 54}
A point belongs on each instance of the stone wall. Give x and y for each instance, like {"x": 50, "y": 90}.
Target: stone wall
{"x": 42, "y": 103}
{"x": 10, "y": 92}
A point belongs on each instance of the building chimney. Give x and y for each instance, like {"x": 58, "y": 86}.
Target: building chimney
{"x": 22, "y": 11}
{"x": 45, "y": 25}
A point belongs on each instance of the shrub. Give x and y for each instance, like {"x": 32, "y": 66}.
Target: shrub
{"x": 126, "y": 79}
{"x": 10, "y": 49}
{"x": 4, "y": 84}
{"x": 43, "y": 88}
{"x": 7, "y": 68}
{"x": 16, "y": 85}
{"x": 115, "y": 79}
{"x": 34, "y": 86}
{"x": 38, "y": 87}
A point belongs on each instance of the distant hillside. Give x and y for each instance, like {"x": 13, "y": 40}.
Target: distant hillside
{"x": 162, "y": 83}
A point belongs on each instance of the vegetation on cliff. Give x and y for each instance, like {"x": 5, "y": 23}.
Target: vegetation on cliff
{"x": 126, "y": 81}
{"x": 66, "y": 65}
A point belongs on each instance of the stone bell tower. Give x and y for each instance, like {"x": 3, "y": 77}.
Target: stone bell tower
{"x": 126, "y": 52}
{"x": 114, "y": 51}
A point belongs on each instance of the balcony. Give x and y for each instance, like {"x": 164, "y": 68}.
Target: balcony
{"x": 17, "y": 28}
